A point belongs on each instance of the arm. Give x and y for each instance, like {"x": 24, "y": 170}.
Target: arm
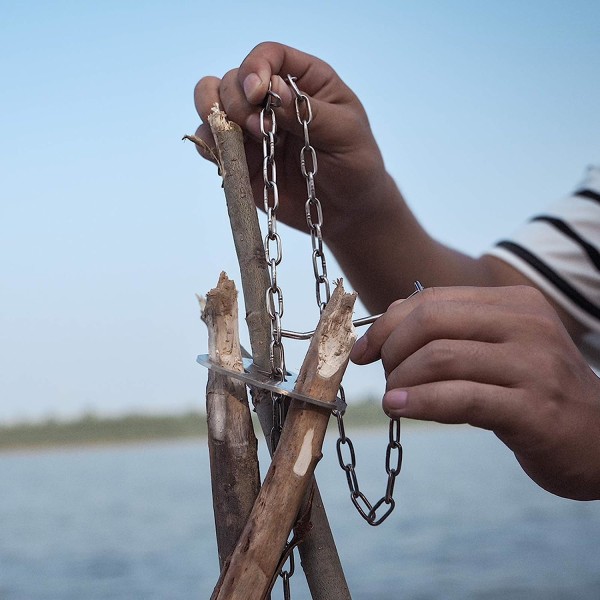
{"x": 367, "y": 224}
{"x": 390, "y": 241}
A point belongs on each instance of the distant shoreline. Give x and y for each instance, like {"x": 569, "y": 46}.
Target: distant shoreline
{"x": 92, "y": 430}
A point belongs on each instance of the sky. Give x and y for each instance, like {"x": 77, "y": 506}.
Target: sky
{"x": 109, "y": 223}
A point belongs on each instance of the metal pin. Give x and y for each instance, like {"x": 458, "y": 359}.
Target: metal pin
{"x": 306, "y": 335}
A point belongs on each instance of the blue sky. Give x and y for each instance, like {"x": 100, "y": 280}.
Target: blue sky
{"x": 485, "y": 111}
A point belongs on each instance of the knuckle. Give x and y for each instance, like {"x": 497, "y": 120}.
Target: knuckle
{"x": 264, "y": 47}
{"x": 544, "y": 323}
{"x": 531, "y": 296}
{"x": 389, "y": 359}
{"x": 437, "y": 356}
{"x": 229, "y": 82}
{"x": 200, "y": 87}
{"x": 475, "y": 414}
{"x": 428, "y": 313}
{"x": 205, "y": 94}
{"x": 232, "y": 98}
{"x": 557, "y": 371}
{"x": 530, "y": 292}
{"x": 431, "y": 293}
{"x": 395, "y": 379}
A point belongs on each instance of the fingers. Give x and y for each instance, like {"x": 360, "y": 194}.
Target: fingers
{"x": 270, "y": 58}
{"x": 439, "y": 313}
{"x": 206, "y": 95}
{"x": 328, "y": 94}
{"x": 242, "y": 90}
{"x": 229, "y": 95}
{"x": 447, "y": 360}
{"x": 481, "y": 405}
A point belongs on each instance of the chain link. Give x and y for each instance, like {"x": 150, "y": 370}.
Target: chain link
{"x": 286, "y": 575}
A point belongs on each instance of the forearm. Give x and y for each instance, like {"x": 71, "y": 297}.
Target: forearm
{"x": 383, "y": 251}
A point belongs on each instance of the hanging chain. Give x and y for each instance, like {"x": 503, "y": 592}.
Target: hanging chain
{"x": 274, "y": 295}
{"x": 314, "y": 220}
{"x": 275, "y": 306}
{"x": 393, "y": 454}
{"x": 273, "y": 256}
{"x": 312, "y": 206}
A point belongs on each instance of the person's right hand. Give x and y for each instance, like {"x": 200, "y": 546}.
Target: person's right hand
{"x": 498, "y": 358}
{"x": 351, "y": 181}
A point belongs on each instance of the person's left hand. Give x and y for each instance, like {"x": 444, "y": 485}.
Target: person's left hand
{"x": 499, "y": 359}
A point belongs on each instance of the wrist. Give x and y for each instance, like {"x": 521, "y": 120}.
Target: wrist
{"x": 372, "y": 209}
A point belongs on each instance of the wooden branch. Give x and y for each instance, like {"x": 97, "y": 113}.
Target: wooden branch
{"x": 246, "y": 232}
{"x": 249, "y": 248}
{"x": 318, "y": 553}
{"x": 254, "y": 563}
{"x": 319, "y": 556}
{"x": 232, "y": 444}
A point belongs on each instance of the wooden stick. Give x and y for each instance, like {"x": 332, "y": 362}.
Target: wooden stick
{"x": 250, "y": 251}
{"x": 232, "y": 445}
{"x": 246, "y": 232}
{"x": 254, "y": 562}
{"x": 249, "y": 248}
{"x": 320, "y": 559}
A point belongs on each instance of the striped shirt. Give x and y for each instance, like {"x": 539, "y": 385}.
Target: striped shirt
{"x": 559, "y": 251}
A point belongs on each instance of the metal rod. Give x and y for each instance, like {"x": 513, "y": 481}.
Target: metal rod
{"x": 306, "y": 335}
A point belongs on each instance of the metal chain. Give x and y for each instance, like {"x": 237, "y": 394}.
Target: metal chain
{"x": 275, "y": 306}
{"x": 312, "y": 206}
{"x": 274, "y": 295}
{"x": 393, "y": 454}
{"x": 314, "y": 220}
{"x": 273, "y": 256}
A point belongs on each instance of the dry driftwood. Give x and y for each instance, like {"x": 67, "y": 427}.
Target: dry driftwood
{"x": 249, "y": 248}
{"x": 232, "y": 444}
{"x": 244, "y": 226}
{"x": 320, "y": 559}
{"x": 254, "y": 562}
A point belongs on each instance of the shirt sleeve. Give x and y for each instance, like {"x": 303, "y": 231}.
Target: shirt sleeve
{"x": 559, "y": 251}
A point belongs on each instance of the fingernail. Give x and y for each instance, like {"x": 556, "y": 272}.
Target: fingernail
{"x": 251, "y": 85}
{"x": 395, "y": 400}
{"x": 360, "y": 347}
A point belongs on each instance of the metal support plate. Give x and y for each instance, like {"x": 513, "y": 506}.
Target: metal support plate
{"x": 253, "y": 377}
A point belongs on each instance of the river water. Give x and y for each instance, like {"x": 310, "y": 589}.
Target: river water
{"x": 135, "y": 522}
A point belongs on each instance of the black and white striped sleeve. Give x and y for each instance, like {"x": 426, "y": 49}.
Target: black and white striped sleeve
{"x": 559, "y": 251}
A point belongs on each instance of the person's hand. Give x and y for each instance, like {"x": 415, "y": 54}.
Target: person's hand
{"x": 351, "y": 177}
{"x": 499, "y": 359}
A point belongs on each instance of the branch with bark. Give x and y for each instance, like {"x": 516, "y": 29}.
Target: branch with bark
{"x": 232, "y": 445}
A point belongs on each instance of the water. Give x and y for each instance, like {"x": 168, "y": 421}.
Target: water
{"x": 135, "y": 522}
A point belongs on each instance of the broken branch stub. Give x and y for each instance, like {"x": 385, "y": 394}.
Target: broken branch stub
{"x": 232, "y": 445}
